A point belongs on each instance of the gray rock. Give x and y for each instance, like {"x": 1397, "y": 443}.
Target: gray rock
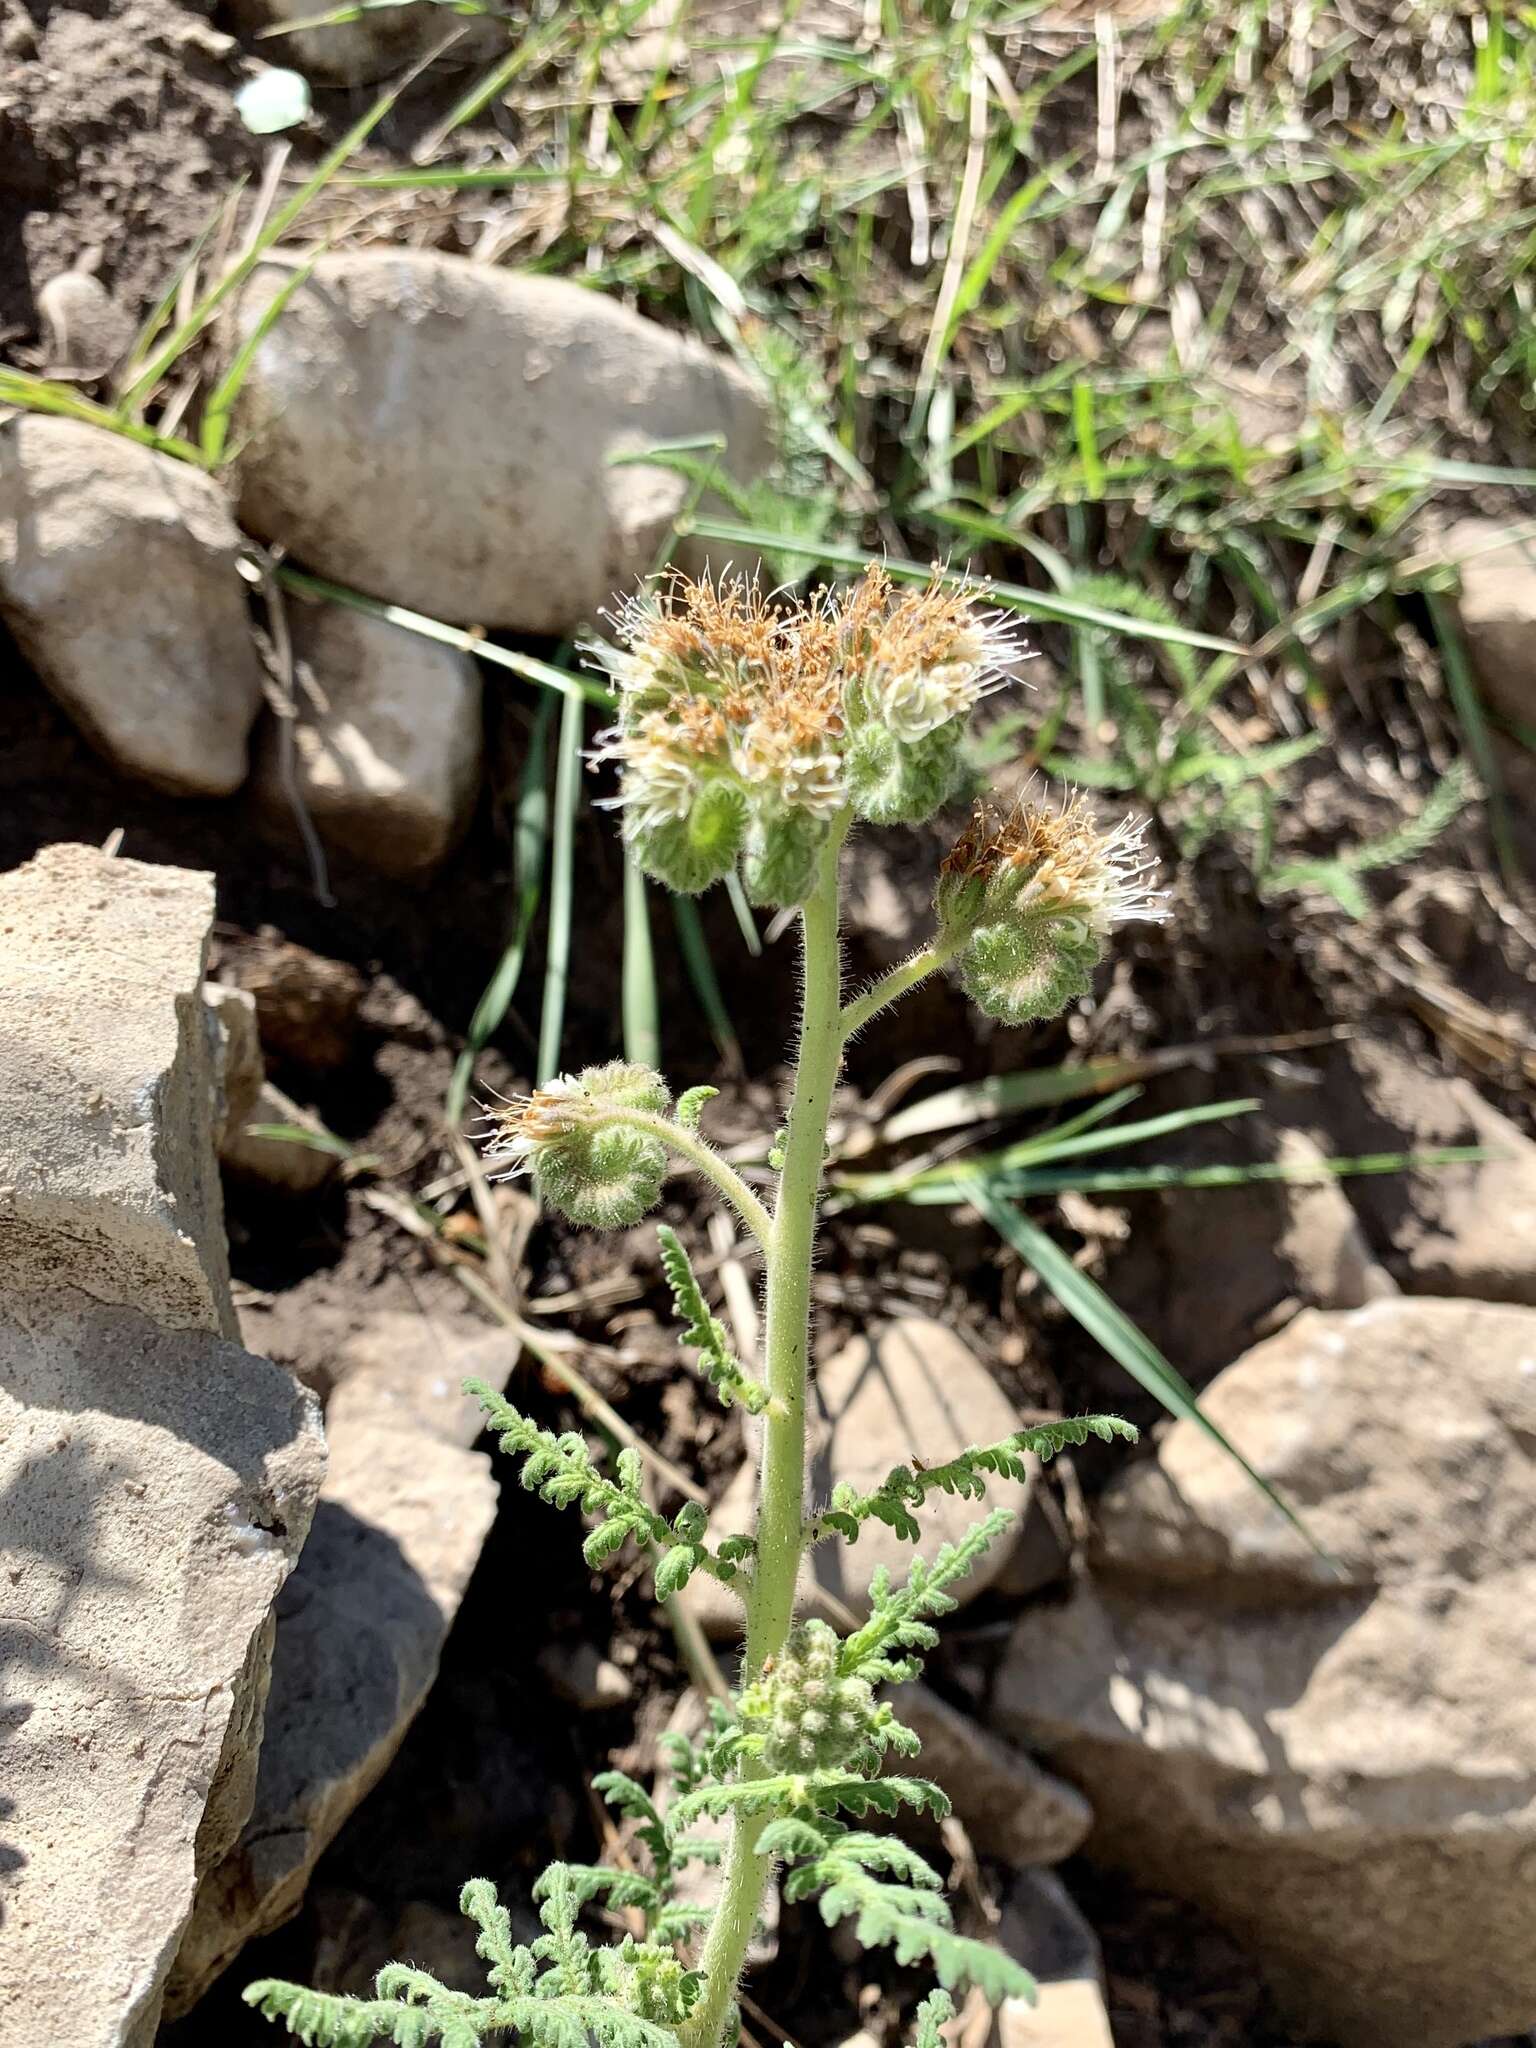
{"x": 360, "y": 1630}
{"x": 1498, "y": 611}
{"x": 290, "y": 1166}
{"x": 1464, "y": 1230}
{"x": 443, "y": 434}
{"x": 1012, "y": 1809}
{"x": 1322, "y": 1241}
{"x": 416, "y": 1368}
{"x": 387, "y": 762}
{"x": 118, "y": 578}
{"x": 85, "y": 331}
{"x": 1342, "y": 1769}
{"x": 912, "y": 1388}
{"x": 1042, "y": 1928}
{"x": 107, "y": 1087}
{"x": 156, "y": 1481}
{"x": 238, "y": 1067}
{"x": 583, "y": 1677}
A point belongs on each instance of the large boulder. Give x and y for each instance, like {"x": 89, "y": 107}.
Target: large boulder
{"x": 452, "y": 437}
{"x": 156, "y": 1481}
{"x": 107, "y": 1087}
{"x": 361, "y": 1624}
{"x": 386, "y": 749}
{"x": 118, "y": 578}
{"x": 1338, "y": 1761}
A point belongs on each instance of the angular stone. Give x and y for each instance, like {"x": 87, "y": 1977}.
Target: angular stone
{"x": 445, "y": 435}
{"x": 155, "y": 1488}
{"x": 1012, "y": 1809}
{"x": 416, "y": 1368}
{"x": 1498, "y": 610}
{"x": 1342, "y": 1769}
{"x": 156, "y": 1481}
{"x": 106, "y": 1087}
{"x": 238, "y": 1067}
{"x": 85, "y": 331}
{"x": 1322, "y": 1241}
{"x": 360, "y": 1630}
{"x": 387, "y": 763}
{"x": 118, "y": 578}
{"x": 306, "y": 1005}
{"x": 290, "y": 1166}
{"x": 913, "y": 1389}
{"x": 1464, "y": 1230}
{"x": 1042, "y": 1928}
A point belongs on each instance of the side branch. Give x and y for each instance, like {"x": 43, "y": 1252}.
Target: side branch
{"x": 891, "y": 987}
{"x": 705, "y": 1160}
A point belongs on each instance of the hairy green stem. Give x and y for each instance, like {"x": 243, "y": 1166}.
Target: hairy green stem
{"x": 781, "y": 1498}
{"x": 704, "y": 1159}
{"x": 889, "y": 987}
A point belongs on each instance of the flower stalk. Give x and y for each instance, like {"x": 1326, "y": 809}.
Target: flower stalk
{"x": 753, "y": 739}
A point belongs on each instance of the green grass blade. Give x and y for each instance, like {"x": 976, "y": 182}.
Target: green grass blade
{"x": 467, "y": 642}
{"x": 1004, "y": 1094}
{"x": 214, "y": 431}
{"x": 164, "y": 306}
{"x": 1029, "y": 604}
{"x": 1087, "y": 1302}
{"x": 39, "y": 394}
{"x": 1473, "y": 720}
{"x": 530, "y": 844}
{"x": 183, "y": 336}
{"x": 701, "y": 972}
{"x": 746, "y": 922}
{"x": 562, "y": 878}
{"x": 1136, "y": 1180}
{"x": 642, "y": 1025}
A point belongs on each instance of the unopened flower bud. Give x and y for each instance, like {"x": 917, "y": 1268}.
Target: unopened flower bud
{"x": 692, "y": 852}
{"x": 779, "y": 856}
{"x": 591, "y": 1165}
{"x": 1034, "y": 896}
{"x": 902, "y": 782}
{"x": 803, "y": 1715}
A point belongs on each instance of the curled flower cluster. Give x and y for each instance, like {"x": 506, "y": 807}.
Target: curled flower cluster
{"x": 1034, "y": 894}
{"x": 745, "y": 731}
{"x": 803, "y": 1715}
{"x": 596, "y": 1171}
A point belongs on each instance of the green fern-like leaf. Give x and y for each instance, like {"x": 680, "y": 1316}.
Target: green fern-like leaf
{"x": 705, "y": 1332}
{"x": 900, "y": 1618}
{"x": 1336, "y": 875}
{"x": 815, "y": 1791}
{"x": 690, "y": 1106}
{"x": 895, "y": 1899}
{"x": 322, "y": 2020}
{"x": 906, "y": 1487}
{"x": 928, "y": 2025}
{"x": 560, "y": 1469}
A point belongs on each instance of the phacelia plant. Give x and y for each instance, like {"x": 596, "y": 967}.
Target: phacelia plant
{"x": 752, "y": 738}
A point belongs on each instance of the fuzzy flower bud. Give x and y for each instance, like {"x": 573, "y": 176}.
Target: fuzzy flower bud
{"x": 745, "y": 731}
{"x": 594, "y": 1169}
{"x": 803, "y": 1715}
{"x": 1035, "y": 895}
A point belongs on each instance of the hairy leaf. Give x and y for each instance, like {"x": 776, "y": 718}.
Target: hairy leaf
{"x": 705, "y": 1332}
